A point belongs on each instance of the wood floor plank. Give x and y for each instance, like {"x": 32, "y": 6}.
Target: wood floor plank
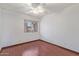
{"x": 44, "y": 49}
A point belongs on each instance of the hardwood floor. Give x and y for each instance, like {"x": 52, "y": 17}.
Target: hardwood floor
{"x": 43, "y": 48}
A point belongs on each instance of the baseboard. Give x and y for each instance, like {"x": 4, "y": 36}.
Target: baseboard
{"x": 60, "y": 47}
{"x": 20, "y": 43}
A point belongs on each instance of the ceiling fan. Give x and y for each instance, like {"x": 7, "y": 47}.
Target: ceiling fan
{"x": 36, "y": 8}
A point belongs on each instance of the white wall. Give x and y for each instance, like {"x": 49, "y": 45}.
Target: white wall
{"x": 0, "y": 28}
{"x": 62, "y": 29}
{"x": 13, "y": 28}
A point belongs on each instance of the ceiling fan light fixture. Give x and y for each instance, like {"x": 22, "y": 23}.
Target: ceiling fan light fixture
{"x": 38, "y": 10}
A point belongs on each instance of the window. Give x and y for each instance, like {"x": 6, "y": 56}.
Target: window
{"x": 30, "y": 26}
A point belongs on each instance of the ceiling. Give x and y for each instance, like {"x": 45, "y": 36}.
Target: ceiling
{"x": 48, "y": 7}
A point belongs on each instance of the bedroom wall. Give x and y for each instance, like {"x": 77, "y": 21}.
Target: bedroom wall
{"x": 0, "y": 28}
{"x": 13, "y": 28}
{"x": 63, "y": 28}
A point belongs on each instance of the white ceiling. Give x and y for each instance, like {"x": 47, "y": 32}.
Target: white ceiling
{"x": 24, "y": 8}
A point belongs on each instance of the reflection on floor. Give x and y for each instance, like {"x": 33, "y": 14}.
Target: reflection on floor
{"x": 36, "y": 48}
